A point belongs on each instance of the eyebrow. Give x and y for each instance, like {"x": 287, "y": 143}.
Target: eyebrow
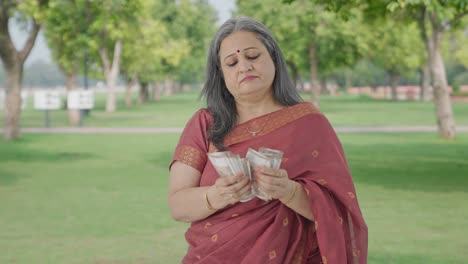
{"x": 232, "y": 54}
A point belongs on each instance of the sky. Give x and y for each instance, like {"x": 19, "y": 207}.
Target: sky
{"x": 41, "y": 51}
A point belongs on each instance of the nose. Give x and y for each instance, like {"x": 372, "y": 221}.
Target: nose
{"x": 244, "y": 65}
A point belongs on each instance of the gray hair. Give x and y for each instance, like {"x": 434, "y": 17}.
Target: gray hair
{"x": 219, "y": 100}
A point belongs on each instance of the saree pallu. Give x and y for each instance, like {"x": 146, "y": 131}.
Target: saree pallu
{"x": 269, "y": 232}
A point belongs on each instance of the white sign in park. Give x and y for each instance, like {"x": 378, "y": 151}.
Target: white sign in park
{"x": 47, "y": 100}
{"x": 80, "y": 99}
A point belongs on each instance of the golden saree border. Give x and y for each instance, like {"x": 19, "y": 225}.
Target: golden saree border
{"x": 191, "y": 156}
{"x": 275, "y": 120}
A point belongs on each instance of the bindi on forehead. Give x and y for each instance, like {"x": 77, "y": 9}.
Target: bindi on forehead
{"x": 239, "y": 51}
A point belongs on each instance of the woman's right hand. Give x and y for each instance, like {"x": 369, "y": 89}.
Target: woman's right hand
{"x": 228, "y": 190}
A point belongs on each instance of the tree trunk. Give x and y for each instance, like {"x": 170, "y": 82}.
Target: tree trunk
{"x": 111, "y": 72}
{"x": 425, "y": 82}
{"x": 394, "y": 80}
{"x": 143, "y": 95}
{"x": 111, "y": 99}
{"x": 12, "y": 109}
{"x": 131, "y": 82}
{"x": 186, "y": 87}
{"x": 13, "y": 61}
{"x": 314, "y": 83}
{"x": 156, "y": 92}
{"x": 294, "y": 74}
{"x": 347, "y": 76}
{"x": 168, "y": 87}
{"x": 128, "y": 93}
{"x": 443, "y": 105}
{"x": 70, "y": 84}
{"x": 177, "y": 87}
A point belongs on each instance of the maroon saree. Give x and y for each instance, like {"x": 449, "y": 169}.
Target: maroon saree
{"x": 270, "y": 232}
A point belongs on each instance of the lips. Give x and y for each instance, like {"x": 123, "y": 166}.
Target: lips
{"x": 248, "y": 78}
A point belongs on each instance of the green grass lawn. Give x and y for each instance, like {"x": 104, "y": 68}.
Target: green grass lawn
{"x": 174, "y": 111}
{"x": 102, "y": 198}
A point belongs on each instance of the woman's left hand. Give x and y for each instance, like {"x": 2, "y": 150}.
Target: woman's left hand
{"x": 273, "y": 182}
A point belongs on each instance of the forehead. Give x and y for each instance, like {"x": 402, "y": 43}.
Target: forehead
{"x": 239, "y": 40}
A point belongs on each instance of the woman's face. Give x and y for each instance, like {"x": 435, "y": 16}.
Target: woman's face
{"x": 247, "y": 66}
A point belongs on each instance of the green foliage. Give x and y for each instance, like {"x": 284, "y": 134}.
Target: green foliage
{"x": 74, "y": 27}
{"x": 170, "y": 41}
{"x": 365, "y": 73}
{"x": 460, "y": 79}
{"x": 191, "y": 25}
{"x": 146, "y": 46}
{"x": 66, "y": 34}
{"x": 340, "y": 43}
{"x": 35, "y": 9}
{"x": 445, "y": 12}
{"x": 396, "y": 47}
{"x": 195, "y": 22}
{"x": 460, "y": 41}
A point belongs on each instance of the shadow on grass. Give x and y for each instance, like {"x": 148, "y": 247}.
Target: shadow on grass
{"x": 421, "y": 167}
{"x": 28, "y": 155}
{"x": 22, "y": 155}
{"x": 8, "y": 177}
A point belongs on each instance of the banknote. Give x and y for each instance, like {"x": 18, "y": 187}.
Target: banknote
{"x": 275, "y": 155}
{"x": 228, "y": 164}
{"x": 246, "y": 168}
{"x": 222, "y": 163}
{"x": 258, "y": 159}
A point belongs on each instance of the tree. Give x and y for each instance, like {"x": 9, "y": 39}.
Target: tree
{"x": 109, "y": 24}
{"x": 179, "y": 17}
{"x": 64, "y": 31}
{"x": 154, "y": 50}
{"x": 32, "y": 12}
{"x": 194, "y": 21}
{"x": 395, "y": 48}
{"x": 435, "y": 18}
{"x": 311, "y": 36}
{"x": 145, "y": 48}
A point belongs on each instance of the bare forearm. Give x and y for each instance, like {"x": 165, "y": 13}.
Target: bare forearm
{"x": 299, "y": 201}
{"x": 189, "y": 205}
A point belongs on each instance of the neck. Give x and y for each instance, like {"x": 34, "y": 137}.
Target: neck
{"x": 247, "y": 110}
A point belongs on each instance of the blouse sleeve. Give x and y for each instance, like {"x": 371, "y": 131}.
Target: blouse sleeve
{"x": 193, "y": 144}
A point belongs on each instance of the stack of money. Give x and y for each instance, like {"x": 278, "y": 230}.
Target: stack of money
{"x": 228, "y": 164}
{"x": 265, "y": 157}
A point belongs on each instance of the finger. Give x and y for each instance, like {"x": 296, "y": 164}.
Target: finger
{"x": 279, "y": 173}
{"x": 245, "y": 190}
{"x": 269, "y": 181}
{"x": 237, "y": 187}
{"x": 227, "y": 181}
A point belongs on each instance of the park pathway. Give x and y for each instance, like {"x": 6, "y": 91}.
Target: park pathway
{"x": 161, "y": 130}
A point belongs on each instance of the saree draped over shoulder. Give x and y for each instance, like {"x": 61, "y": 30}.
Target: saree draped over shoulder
{"x": 269, "y": 232}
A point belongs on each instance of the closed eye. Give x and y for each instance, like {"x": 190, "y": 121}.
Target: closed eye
{"x": 232, "y": 64}
{"x": 253, "y": 57}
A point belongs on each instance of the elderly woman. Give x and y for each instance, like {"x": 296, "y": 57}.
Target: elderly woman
{"x": 313, "y": 216}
